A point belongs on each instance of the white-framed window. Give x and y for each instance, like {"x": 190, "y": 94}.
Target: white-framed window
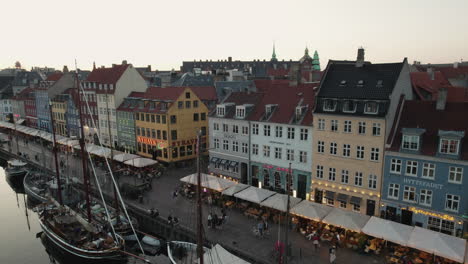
{"x": 225, "y": 144}
{"x": 320, "y": 146}
{"x": 240, "y": 112}
{"x": 235, "y": 146}
{"x": 376, "y": 129}
{"x": 330, "y": 201}
{"x": 225, "y": 127}
{"x": 333, "y": 148}
{"x": 393, "y": 190}
{"x": 215, "y": 126}
{"x": 358, "y": 179}
{"x": 334, "y": 125}
{"x": 245, "y": 130}
{"x": 455, "y": 174}
{"x": 304, "y": 133}
{"x": 349, "y": 106}
{"x": 409, "y": 194}
{"x": 266, "y": 130}
{"x": 362, "y": 128}
{"x": 374, "y": 156}
{"x": 372, "y": 181}
{"x": 395, "y": 166}
{"x": 449, "y": 146}
{"x": 216, "y": 143}
{"x": 440, "y": 225}
{"x": 331, "y": 174}
{"x": 329, "y": 105}
{"x": 290, "y": 154}
{"x": 303, "y": 156}
{"x": 278, "y": 152}
{"x": 266, "y": 151}
{"x": 425, "y": 197}
{"x": 255, "y": 129}
{"x": 342, "y": 204}
{"x": 347, "y": 126}
{"x": 410, "y": 142}
{"x": 346, "y": 150}
{"x": 411, "y": 168}
{"x": 235, "y": 129}
{"x": 319, "y": 171}
{"x": 371, "y": 108}
{"x": 356, "y": 208}
{"x": 220, "y": 110}
{"x": 360, "y": 152}
{"x": 321, "y": 124}
{"x": 452, "y": 202}
{"x": 291, "y": 132}
{"x": 245, "y": 148}
{"x": 428, "y": 171}
{"x": 254, "y": 149}
{"x": 344, "y": 176}
{"x": 278, "y": 131}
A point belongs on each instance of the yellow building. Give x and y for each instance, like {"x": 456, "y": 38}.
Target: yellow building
{"x": 167, "y": 121}
{"x": 59, "y": 109}
{"x": 356, "y": 105}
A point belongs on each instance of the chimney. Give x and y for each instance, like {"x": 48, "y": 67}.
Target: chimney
{"x": 360, "y": 57}
{"x": 441, "y": 99}
{"x": 124, "y": 62}
{"x": 65, "y": 69}
{"x": 455, "y": 65}
{"x": 230, "y": 59}
{"x": 430, "y": 71}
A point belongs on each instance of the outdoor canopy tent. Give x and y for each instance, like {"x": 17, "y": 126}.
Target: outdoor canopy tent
{"x": 280, "y": 202}
{"x": 388, "y": 230}
{"x": 466, "y": 254}
{"x": 219, "y": 255}
{"x": 311, "y": 210}
{"x": 125, "y": 156}
{"x": 140, "y": 162}
{"x": 254, "y": 195}
{"x": 449, "y": 247}
{"x": 235, "y": 189}
{"x": 346, "y": 219}
{"x": 209, "y": 181}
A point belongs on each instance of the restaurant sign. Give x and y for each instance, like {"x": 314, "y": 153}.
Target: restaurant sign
{"x": 160, "y": 144}
{"x": 265, "y": 166}
{"x": 423, "y": 183}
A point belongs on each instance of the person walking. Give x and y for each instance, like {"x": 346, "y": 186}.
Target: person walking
{"x": 260, "y": 228}
{"x": 332, "y": 257}
{"x": 315, "y": 241}
{"x": 210, "y": 218}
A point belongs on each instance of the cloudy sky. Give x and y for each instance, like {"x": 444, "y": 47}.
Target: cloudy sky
{"x": 165, "y": 33}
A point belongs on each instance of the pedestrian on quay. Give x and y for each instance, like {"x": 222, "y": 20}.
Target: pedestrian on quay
{"x": 174, "y": 194}
{"x": 176, "y": 221}
{"x": 315, "y": 241}
{"x": 210, "y": 218}
{"x": 169, "y": 220}
{"x": 332, "y": 257}
{"x": 260, "y": 228}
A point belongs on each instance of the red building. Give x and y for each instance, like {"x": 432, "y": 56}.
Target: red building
{"x": 27, "y": 95}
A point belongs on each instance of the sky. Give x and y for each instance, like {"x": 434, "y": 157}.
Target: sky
{"x": 165, "y": 33}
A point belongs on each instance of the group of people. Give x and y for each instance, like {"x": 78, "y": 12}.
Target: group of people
{"x": 215, "y": 221}
{"x": 262, "y": 227}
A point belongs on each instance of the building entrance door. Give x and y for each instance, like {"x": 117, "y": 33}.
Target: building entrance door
{"x": 406, "y": 217}
{"x": 318, "y": 196}
{"x": 370, "y": 207}
{"x": 243, "y": 173}
{"x": 301, "y": 186}
{"x": 390, "y": 213}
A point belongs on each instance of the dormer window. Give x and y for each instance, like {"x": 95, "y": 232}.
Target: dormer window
{"x": 240, "y": 111}
{"x": 360, "y": 83}
{"x": 220, "y": 110}
{"x": 410, "y": 142}
{"x": 329, "y": 105}
{"x": 269, "y": 109}
{"x": 371, "y": 108}
{"x": 349, "y": 106}
{"x": 449, "y": 146}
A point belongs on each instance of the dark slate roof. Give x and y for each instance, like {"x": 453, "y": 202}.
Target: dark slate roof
{"x": 423, "y": 114}
{"x": 6, "y": 80}
{"x": 6, "y": 92}
{"x": 338, "y": 71}
{"x": 240, "y": 98}
{"x": 223, "y": 87}
{"x": 190, "y": 80}
{"x": 24, "y": 78}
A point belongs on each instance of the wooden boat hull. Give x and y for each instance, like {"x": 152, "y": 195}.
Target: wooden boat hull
{"x": 30, "y": 192}
{"x": 82, "y": 253}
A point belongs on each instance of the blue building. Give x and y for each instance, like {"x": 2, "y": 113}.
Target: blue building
{"x": 72, "y": 115}
{"x": 426, "y": 167}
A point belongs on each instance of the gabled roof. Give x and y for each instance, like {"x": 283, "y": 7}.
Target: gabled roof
{"x": 453, "y": 73}
{"x": 188, "y": 79}
{"x": 423, "y": 114}
{"x": 54, "y": 77}
{"x": 107, "y": 75}
{"x": 426, "y": 88}
{"x": 369, "y": 74}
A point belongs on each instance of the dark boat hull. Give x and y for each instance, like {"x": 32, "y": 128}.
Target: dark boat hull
{"x": 81, "y": 253}
{"x": 31, "y": 193}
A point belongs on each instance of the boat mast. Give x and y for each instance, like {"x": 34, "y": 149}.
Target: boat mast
{"x": 286, "y": 236}
{"x": 199, "y": 204}
{"x": 116, "y": 201}
{"x": 54, "y": 150}
{"x": 86, "y": 181}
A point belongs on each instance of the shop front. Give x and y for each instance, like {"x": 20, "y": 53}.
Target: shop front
{"x": 231, "y": 167}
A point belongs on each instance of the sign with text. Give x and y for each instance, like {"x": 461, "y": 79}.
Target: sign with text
{"x": 423, "y": 183}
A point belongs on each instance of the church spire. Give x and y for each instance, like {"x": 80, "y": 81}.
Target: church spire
{"x": 94, "y": 65}
{"x": 273, "y": 56}
{"x": 306, "y": 52}
{"x": 316, "y": 62}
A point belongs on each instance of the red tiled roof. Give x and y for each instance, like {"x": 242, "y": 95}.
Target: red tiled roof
{"x": 457, "y": 94}
{"x": 452, "y": 73}
{"x": 422, "y": 81}
{"x": 277, "y": 72}
{"x": 24, "y": 94}
{"x": 54, "y": 77}
{"x": 423, "y": 114}
{"x": 107, "y": 75}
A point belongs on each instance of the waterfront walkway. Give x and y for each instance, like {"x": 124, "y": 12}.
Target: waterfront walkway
{"x": 237, "y": 232}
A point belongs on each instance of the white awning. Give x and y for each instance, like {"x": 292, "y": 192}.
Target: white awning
{"x": 388, "y": 230}
{"x": 311, "y": 210}
{"x": 20, "y": 121}
{"x": 209, "y": 181}
{"x": 219, "y": 255}
{"x": 235, "y": 189}
{"x": 254, "y": 195}
{"x": 140, "y": 162}
{"x": 449, "y": 247}
{"x": 346, "y": 219}
{"x": 125, "y": 156}
{"x": 280, "y": 202}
